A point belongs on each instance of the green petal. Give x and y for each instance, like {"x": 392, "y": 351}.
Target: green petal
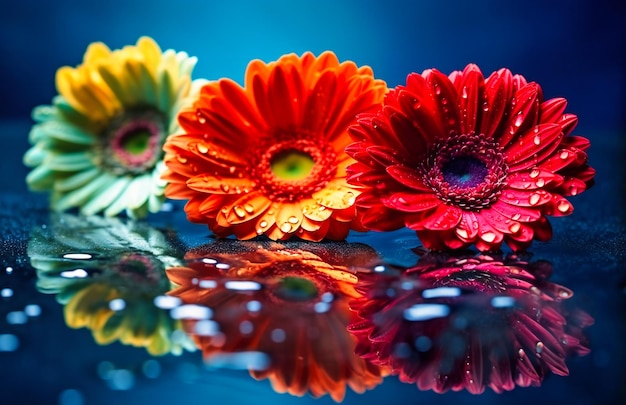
{"x": 44, "y": 113}
{"x": 80, "y": 196}
{"x": 68, "y": 113}
{"x": 40, "y": 179}
{"x": 77, "y": 180}
{"x": 35, "y": 156}
{"x": 139, "y": 190}
{"x": 61, "y": 131}
{"x": 106, "y": 197}
{"x": 122, "y": 200}
{"x": 70, "y": 162}
{"x": 165, "y": 90}
{"x": 147, "y": 85}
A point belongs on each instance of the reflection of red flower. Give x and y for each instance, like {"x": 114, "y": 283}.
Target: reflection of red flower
{"x": 467, "y": 160}
{"x": 293, "y": 308}
{"x": 269, "y": 158}
{"x": 468, "y": 323}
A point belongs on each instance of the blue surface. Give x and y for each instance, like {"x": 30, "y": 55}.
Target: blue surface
{"x": 572, "y": 49}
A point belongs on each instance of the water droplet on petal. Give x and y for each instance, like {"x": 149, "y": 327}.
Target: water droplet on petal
{"x": 519, "y": 120}
{"x": 202, "y": 148}
{"x": 534, "y": 173}
{"x": 239, "y": 211}
{"x": 485, "y": 106}
{"x": 540, "y": 182}
{"x": 573, "y": 190}
{"x": 537, "y": 140}
{"x": 293, "y": 220}
{"x": 516, "y": 217}
{"x": 515, "y": 227}
{"x": 464, "y": 92}
{"x": 488, "y": 236}
{"x": 249, "y": 208}
{"x": 285, "y": 227}
{"x": 181, "y": 159}
{"x": 564, "y": 155}
{"x": 534, "y": 199}
{"x": 462, "y": 233}
{"x": 225, "y": 187}
{"x": 563, "y": 206}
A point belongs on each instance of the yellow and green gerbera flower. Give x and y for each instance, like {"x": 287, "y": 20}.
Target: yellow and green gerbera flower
{"x": 98, "y": 146}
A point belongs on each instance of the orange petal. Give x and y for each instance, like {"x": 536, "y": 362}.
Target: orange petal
{"x": 247, "y": 208}
{"x": 207, "y": 183}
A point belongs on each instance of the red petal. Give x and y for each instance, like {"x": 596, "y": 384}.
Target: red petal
{"x": 516, "y": 213}
{"x": 533, "y": 180}
{"x": 408, "y": 177}
{"x": 523, "y": 115}
{"x": 552, "y": 110}
{"x": 489, "y": 235}
{"x": 559, "y": 206}
{"x": 380, "y": 218}
{"x": 520, "y": 198}
{"x": 411, "y": 202}
{"x": 445, "y": 97}
{"x": 467, "y": 229}
{"x": 444, "y": 217}
{"x": 534, "y": 141}
{"x": 470, "y": 87}
{"x": 384, "y": 155}
{"x": 409, "y": 133}
{"x": 498, "y": 94}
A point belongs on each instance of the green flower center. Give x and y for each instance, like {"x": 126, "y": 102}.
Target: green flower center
{"x": 292, "y": 164}
{"x": 132, "y": 142}
{"x": 296, "y": 289}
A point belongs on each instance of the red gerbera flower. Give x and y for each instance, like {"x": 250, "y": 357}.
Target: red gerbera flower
{"x": 462, "y": 160}
{"x": 287, "y": 303}
{"x": 269, "y": 158}
{"x": 468, "y": 322}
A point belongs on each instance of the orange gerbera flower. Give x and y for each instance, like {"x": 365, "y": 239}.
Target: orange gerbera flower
{"x": 289, "y": 305}
{"x": 268, "y": 158}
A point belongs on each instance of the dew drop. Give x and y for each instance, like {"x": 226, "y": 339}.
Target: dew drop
{"x": 249, "y": 208}
{"x": 462, "y": 233}
{"x": 573, "y": 190}
{"x": 485, "y": 106}
{"x": 537, "y": 140}
{"x": 488, "y": 236}
{"x": 202, "y": 148}
{"x": 534, "y": 173}
{"x": 563, "y": 206}
{"x": 534, "y": 199}
{"x": 519, "y": 120}
{"x": 239, "y": 211}
{"x": 293, "y": 220}
{"x": 516, "y": 216}
{"x": 181, "y": 159}
{"x": 464, "y": 92}
{"x": 437, "y": 89}
{"x": 201, "y": 119}
{"x": 225, "y": 187}
{"x": 263, "y": 224}
{"x": 539, "y": 347}
{"x": 285, "y": 227}
{"x": 515, "y": 227}
{"x": 564, "y": 155}
{"x": 540, "y": 182}
{"x": 232, "y": 169}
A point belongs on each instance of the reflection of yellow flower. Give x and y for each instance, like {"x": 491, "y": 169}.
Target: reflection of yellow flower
{"x": 108, "y": 274}
{"x": 269, "y": 158}
{"x": 98, "y": 147}
{"x": 286, "y": 302}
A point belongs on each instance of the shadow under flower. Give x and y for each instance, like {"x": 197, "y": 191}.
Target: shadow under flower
{"x": 288, "y": 303}
{"x": 107, "y": 273}
{"x": 466, "y": 321}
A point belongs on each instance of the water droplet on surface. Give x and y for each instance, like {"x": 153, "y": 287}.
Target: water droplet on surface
{"x": 253, "y": 306}
{"x": 206, "y": 327}
{"x": 71, "y": 397}
{"x": 121, "y": 380}
{"x": 166, "y": 301}
{"x": 117, "y": 304}
{"x": 77, "y": 256}
{"x": 32, "y": 310}
{"x": 9, "y": 269}
{"x": 6, "y": 293}
{"x": 191, "y": 311}
{"x": 151, "y": 369}
{"x": 8, "y": 342}
{"x": 278, "y": 335}
{"x": 246, "y": 327}
{"x": 424, "y": 312}
{"x": 16, "y": 318}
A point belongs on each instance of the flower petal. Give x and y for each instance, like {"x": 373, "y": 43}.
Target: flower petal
{"x": 411, "y": 202}
{"x": 211, "y": 184}
{"x": 408, "y": 177}
{"x": 444, "y": 217}
{"x": 247, "y": 208}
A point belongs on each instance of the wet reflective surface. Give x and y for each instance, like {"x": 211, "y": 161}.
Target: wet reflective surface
{"x": 96, "y": 310}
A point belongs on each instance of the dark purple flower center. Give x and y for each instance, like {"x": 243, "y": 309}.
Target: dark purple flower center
{"x": 464, "y": 171}
{"x": 132, "y": 142}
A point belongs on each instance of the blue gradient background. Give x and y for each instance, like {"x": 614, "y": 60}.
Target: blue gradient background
{"x": 573, "y": 49}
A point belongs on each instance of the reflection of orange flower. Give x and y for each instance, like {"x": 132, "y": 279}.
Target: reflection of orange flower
{"x": 289, "y": 304}
{"x": 268, "y": 158}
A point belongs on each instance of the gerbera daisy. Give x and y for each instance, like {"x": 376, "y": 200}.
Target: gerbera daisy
{"x": 284, "y": 302}
{"x": 468, "y": 322}
{"x": 268, "y": 158}
{"x": 465, "y": 160}
{"x": 98, "y": 147}
{"x": 107, "y": 274}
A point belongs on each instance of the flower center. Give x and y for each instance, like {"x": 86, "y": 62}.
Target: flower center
{"x": 296, "y": 289}
{"x": 292, "y": 165}
{"x": 466, "y": 170}
{"x": 131, "y": 144}
{"x": 287, "y": 167}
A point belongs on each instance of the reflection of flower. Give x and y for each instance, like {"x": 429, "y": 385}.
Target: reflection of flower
{"x": 285, "y": 302}
{"x": 107, "y": 274}
{"x": 468, "y": 322}
{"x": 269, "y": 158}
{"x": 463, "y": 160}
{"x": 99, "y": 146}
